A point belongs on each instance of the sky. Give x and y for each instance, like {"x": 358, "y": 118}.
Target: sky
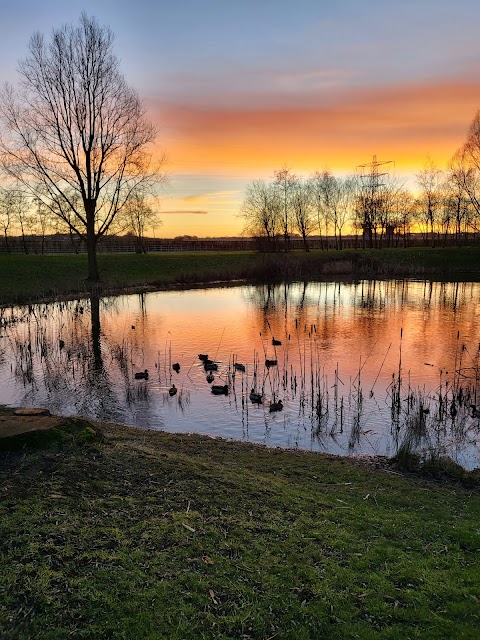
{"x": 238, "y": 90}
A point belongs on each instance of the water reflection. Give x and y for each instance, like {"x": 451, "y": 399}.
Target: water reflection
{"x": 370, "y": 367}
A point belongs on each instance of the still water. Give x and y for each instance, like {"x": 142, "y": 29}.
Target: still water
{"x": 363, "y": 368}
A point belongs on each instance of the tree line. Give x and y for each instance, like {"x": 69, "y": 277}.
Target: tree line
{"x": 23, "y": 216}
{"x": 373, "y": 205}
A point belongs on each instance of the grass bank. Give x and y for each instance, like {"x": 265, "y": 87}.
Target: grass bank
{"x": 119, "y": 533}
{"x": 26, "y": 278}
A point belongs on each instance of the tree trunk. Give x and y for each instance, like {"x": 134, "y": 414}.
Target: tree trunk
{"x": 96, "y": 333}
{"x": 305, "y": 242}
{"x": 24, "y": 242}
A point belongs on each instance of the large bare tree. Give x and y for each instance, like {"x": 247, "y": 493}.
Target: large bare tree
{"x": 74, "y": 133}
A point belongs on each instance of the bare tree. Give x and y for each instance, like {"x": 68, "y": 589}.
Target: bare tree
{"x": 391, "y": 196}
{"x": 23, "y": 217}
{"x": 334, "y": 198}
{"x": 429, "y": 180}
{"x": 75, "y": 127}
{"x": 368, "y": 203}
{"x": 41, "y": 217}
{"x": 8, "y": 212}
{"x": 469, "y": 157}
{"x": 322, "y": 214}
{"x": 466, "y": 162}
{"x": 302, "y": 207}
{"x": 285, "y": 182}
{"x": 402, "y": 215}
{"x": 138, "y": 216}
{"x": 262, "y": 212}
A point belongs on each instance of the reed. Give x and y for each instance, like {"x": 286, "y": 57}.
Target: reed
{"x": 332, "y": 405}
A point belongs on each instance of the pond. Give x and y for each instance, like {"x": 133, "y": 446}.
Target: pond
{"x": 362, "y": 368}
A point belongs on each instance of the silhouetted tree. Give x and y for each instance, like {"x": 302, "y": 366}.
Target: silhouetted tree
{"x": 285, "y": 182}
{"x": 321, "y": 212}
{"x": 76, "y": 127}
{"x": 334, "y": 198}
{"x": 138, "y": 215}
{"x": 302, "y": 208}
{"x": 262, "y": 212}
{"x": 429, "y": 180}
{"x": 8, "y": 209}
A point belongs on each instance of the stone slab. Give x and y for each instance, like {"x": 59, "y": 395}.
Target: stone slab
{"x": 16, "y": 425}
{"x": 31, "y": 411}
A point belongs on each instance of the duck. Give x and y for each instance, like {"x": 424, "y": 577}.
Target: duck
{"x": 142, "y": 375}
{"x": 219, "y": 389}
{"x": 271, "y": 363}
{"x": 276, "y": 406}
{"x": 173, "y": 390}
{"x": 276, "y": 343}
{"x": 176, "y": 367}
{"x": 255, "y": 397}
{"x": 239, "y": 367}
{"x": 475, "y": 412}
{"x": 203, "y": 357}
{"x": 210, "y": 377}
{"x": 210, "y": 366}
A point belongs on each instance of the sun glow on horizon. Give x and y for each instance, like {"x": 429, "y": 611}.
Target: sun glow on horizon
{"x": 403, "y": 123}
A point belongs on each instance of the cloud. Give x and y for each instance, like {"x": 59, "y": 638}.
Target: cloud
{"x": 182, "y": 212}
{"x": 212, "y": 195}
{"x": 404, "y": 121}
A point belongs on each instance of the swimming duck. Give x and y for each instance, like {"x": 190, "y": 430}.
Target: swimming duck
{"x": 176, "y": 367}
{"x": 276, "y": 343}
{"x": 203, "y": 357}
{"x": 270, "y": 363}
{"x": 173, "y": 390}
{"x": 210, "y": 366}
{"x": 276, "y": 406}
{"x": 475, "y": 412}
{"x": 142, "y": 375}
{"x": 210, "y": 377}
{"x": 255, "y": 397}
{"x": 239, "y": 367}
{"x": 219, "y": 389}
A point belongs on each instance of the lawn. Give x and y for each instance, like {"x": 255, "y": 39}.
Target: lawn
{"x": 138, "y": 534}
{"x": 27, "y": 278}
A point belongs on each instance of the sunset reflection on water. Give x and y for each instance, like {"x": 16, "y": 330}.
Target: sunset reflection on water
{"x": 340, "y": 354}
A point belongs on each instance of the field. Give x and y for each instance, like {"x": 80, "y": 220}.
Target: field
{"x": 26, "y": 278}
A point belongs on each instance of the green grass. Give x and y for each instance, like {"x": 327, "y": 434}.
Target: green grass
{"x": 26, "y": 278}
{"x": 151, "y": 535}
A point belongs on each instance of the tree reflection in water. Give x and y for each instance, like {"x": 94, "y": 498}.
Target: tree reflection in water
{"x": 338, "y": 368}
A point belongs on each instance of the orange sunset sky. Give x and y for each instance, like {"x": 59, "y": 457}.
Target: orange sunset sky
{"x": 240, "y": 90}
